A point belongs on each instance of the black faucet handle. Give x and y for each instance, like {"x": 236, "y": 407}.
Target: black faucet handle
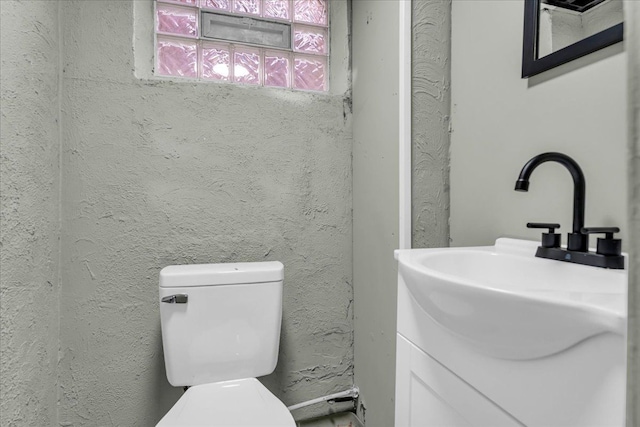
{"x": 550, "y": 239}
{"x": 607, "y": 231}
{"x": 607, "y": 246}
{"x": 550, "y": 225}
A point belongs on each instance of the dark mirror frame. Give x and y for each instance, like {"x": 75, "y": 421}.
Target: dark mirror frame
{"x": 532, "y": 65}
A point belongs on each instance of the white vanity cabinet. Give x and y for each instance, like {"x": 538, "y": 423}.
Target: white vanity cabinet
{"x": 543, "y": 346}
{"x": 428, "y": 394}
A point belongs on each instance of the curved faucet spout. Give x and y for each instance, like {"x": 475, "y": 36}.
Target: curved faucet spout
{"x": 577, "y": 240}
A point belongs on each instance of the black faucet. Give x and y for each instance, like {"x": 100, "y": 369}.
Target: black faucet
{"x": 577, "y": 241}
{"x": 608, "y": 254}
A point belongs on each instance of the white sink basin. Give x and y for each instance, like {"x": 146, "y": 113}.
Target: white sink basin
{"x": 506, "y": 303}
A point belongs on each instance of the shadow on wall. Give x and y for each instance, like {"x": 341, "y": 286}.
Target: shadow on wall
{"x": 273, "y": 381}
{"x": 160, "y": 390}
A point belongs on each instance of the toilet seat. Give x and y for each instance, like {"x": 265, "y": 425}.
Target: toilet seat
{"x": 237, "y": 403}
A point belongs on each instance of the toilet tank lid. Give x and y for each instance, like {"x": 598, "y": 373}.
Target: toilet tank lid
{"x": 179, "y": 276}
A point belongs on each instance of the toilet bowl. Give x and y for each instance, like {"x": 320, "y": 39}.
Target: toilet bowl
{"x": 228, "y": 403}
{"x": 221, "y": 330}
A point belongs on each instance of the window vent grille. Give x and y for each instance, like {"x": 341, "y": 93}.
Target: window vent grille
{"x": 243, "y": 29}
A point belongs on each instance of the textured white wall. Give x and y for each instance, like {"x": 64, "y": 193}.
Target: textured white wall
{"x": 29, "y": 195}
{"x": 160, "y": 172}
{"x": 156, "y": 173}
{"x": 500, "y": 121}
{"x": 431, "y": 107}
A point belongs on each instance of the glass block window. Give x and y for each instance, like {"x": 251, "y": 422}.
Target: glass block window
{"x": 276, "y": 43}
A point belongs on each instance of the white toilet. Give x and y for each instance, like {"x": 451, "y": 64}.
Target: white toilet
{"x": 221, "y": 330}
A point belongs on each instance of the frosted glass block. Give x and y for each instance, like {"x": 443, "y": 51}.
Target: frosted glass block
{"x": 215, "y": 62}
{"x": 176, "y": 20}
{"x": 177, "y": 58}
{"x": 277, "y": 9}
{"x": 312, "y": 11}
{"x": 309, "y": 73}
{"x": 247, "y": 6}
{"x": 246, "y": 67}
{"x": 276, "y": 69}
{"x": 216, "y": 4}
{"x": 310, "y": 39}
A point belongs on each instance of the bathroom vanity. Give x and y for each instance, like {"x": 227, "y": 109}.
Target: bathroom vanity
{"x": 493, "y": 336}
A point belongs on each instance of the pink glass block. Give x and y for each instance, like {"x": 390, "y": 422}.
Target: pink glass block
{"x": 246, "y": 67}
{"x": 277, "y": 9}
{"x": 247, "y": 6}
{"x": 309, "y": 73}
{"x": 276, "y": 70}
{"x": 215, "y": 63}
{"x": 312, "y": 11}
{"x": 215, "y": 4}
{"x": 177, "y": 58}
{"x": 176, "y": 20}
{"x": 310, "y": 39}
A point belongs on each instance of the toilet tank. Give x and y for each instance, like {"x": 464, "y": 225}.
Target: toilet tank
{"x": 223, "y": 323}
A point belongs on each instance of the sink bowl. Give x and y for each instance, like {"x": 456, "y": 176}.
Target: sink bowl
{"x": 504, "y": 302}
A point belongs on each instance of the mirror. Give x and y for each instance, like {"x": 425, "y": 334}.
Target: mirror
{"x": 559, "y": 31}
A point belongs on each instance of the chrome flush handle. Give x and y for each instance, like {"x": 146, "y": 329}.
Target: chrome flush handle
{"x": 176, "y": 299}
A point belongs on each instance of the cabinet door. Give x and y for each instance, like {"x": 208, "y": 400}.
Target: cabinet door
{"x": 429, "y": 395}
